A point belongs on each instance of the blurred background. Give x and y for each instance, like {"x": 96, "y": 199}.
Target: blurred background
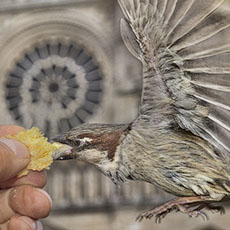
{"x": 62, "y": 64}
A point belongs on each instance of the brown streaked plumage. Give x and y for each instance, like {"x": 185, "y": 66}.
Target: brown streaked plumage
{"x": 180, "y": 140}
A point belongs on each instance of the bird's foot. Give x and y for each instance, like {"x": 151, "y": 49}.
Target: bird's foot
{"x": 191, "y": 206}
{"x": 193, "y": 212}
{"x": 215, "y": 209}
{"x": 161, "y": 211}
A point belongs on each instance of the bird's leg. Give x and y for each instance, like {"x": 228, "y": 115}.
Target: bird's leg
{"x": 189, "y": 205}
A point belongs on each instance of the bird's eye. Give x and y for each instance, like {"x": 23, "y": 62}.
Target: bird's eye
{"x": 77, "y": 143}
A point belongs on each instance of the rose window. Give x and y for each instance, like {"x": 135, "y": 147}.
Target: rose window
{"x": 55, "y": 87}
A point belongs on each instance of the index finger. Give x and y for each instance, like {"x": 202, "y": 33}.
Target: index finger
{"x": 14, "y": 157}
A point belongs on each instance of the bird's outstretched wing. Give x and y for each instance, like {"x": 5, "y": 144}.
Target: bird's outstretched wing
{"x": 184, "y": 46}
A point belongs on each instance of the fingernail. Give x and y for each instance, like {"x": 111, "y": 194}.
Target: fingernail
{"x": 34, "y": 225}
{"x": 17, "y": 147}
{"x": 46, "y": 194}
{"x": 29, "y": 222}
{"x": 38, "y": 225}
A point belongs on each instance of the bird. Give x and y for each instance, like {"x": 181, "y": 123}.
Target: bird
{"x": 180, "y": 139}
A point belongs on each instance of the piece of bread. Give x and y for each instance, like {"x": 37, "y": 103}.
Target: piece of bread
{"x": 40, "y": 149}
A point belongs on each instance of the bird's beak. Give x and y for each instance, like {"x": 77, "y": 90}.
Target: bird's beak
{"x": 65, "y": 152}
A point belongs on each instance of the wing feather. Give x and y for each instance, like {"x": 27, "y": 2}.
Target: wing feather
{"x": 183, "y": 8}
{"x": 197, "y": 14}
{"x": 161, "y": 7}
{"x": 185, "y": 51}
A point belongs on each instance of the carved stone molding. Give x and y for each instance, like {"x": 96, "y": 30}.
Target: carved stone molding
{"x": 23, "y": 4}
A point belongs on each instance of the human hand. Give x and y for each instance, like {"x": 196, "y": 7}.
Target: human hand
{"x": 22, "y": 201}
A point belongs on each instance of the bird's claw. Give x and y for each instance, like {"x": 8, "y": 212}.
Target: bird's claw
{"x": 191, "y": 206}
{"x": 195, "y": 213}
{"x": 216, "y": 209}
{"x": 161, "y": 211}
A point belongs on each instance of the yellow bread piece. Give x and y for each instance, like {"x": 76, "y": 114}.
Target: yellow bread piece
{"x": 40, "y": 149}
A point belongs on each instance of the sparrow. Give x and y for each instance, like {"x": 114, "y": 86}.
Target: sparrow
{"x": 180, "y": 140}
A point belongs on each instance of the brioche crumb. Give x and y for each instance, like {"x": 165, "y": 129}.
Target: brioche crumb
{"x": 40, "y": 149}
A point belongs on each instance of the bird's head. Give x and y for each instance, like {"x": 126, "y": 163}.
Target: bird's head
{"x": 93, "y": 143}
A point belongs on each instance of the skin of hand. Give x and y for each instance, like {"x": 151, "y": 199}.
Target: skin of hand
{"x": 22, "y": 200}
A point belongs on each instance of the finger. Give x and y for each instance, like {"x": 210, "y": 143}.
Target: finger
{"x": 24, "y": 200}
{"x": 9, "y": 130}
{"x": 23, "y": 223}
{"x": 14, "y": 156}
{"x": 37, "y": 179}
{"x": 4, "y": 226}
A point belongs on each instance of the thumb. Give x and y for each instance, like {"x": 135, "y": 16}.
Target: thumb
{"x": 14, "y": 156}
